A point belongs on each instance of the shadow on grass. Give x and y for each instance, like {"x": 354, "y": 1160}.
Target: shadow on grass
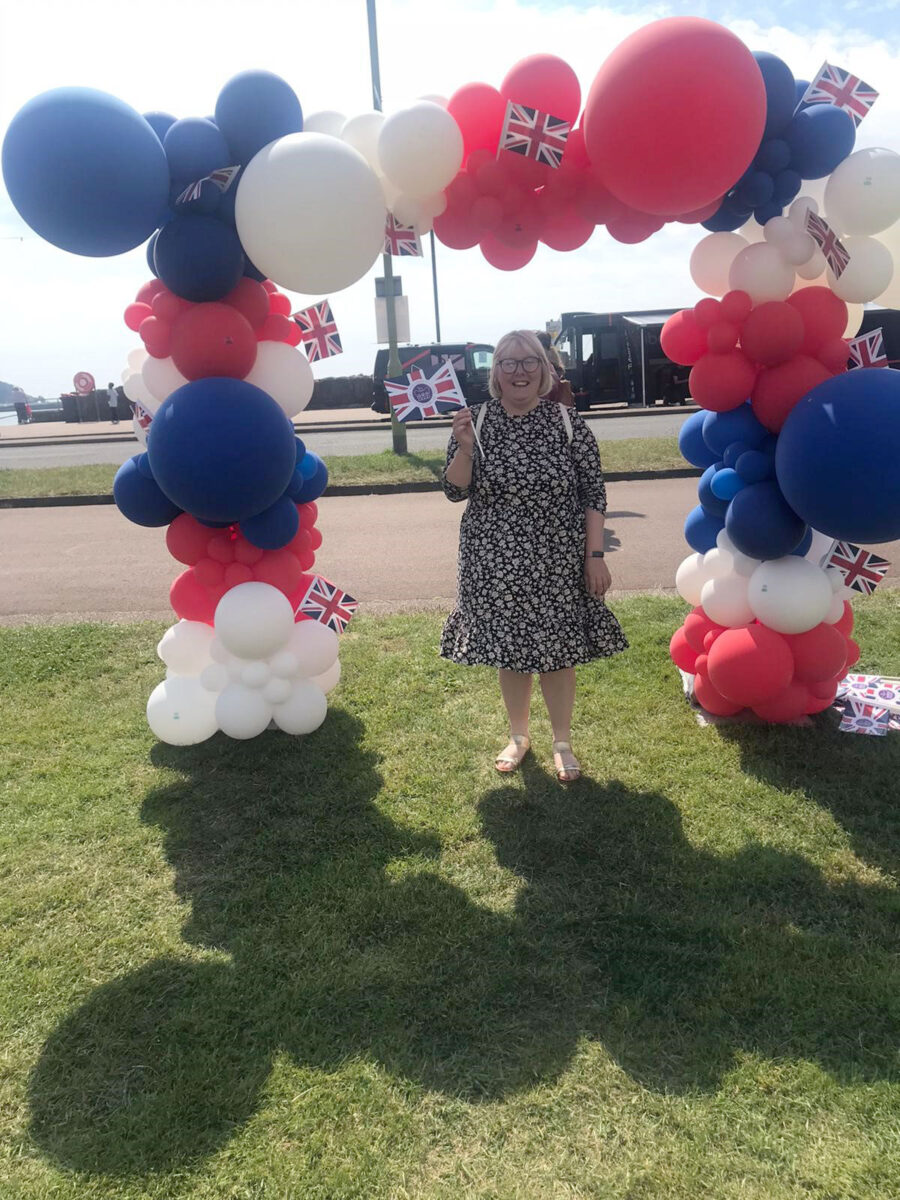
{"x": 344, "y": 942}
{"x": 433, "y": 466}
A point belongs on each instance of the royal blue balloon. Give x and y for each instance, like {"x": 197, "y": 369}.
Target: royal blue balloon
{"x": 726, "y": 484}
{"x": 761, "y": 524}
{"x": 313, "y": 488}
{"x": 274, "y": 527}
{"x": 253, "y": 109}
{"x": 707, "y": 497}
{"x": 691, "y": 443}
{"x": 301, "y": 448}
{"x": 296, "y": 485}
{"x": 779, "y": 84}
{"x": 787, "y": 186}
{"x": 838, "y": 456}
{"x": 194, "y": 148}
{"x": 754, "y": 466}
{"x": 308, "y": 465}
{"x": 221, "y": 449}
{"x": 198, "y": 258}
{"x": 85, "y": 171}
{"x": 701, "y": 529}
{"x": 773, "y": 156}
{"x": 159, "y": 122}
{"x": 139, "y": 497}
{"x": 820, "y": 138}
{"x": 733, "y": 452}
{"x": 720, "y": 429}
{"x": 803, "y": 548}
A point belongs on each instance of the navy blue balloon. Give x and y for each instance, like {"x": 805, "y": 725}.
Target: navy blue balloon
{"x": 159, "y": 122}
{"x": 221, "y": 449}
{"x": 194, "y": 148}
{"x": 820, "y": 138}
{"x": 766, "y": 212}
{"x": 733, "y": 452}
{"x": 838, "y": 454}
{"x": 151, "y": 250}
{"x": 140, "y": 498}
{"x": 725, "y": 219}
{"x": 274, "y": 527}
{"x": 803, "y": 548}
{"x": 757, "y": 190}
{"x": 206, "y": 203}
{"x": 761, "y": 524}
{"x": 253, "y": 109}
{"x": 85, "y": 171}
{"x": 720, "y": 429}
{"x": 296, "y": 485}
{"x": 691, "y": 443}
{"x": 800, "y": 86}
{"x": 773, "y": 156}
{"x": 708, "y": 498}
{"x": 787, "y": 186}
{"x": 301, "y": 448}
{"x": 754, "y": 466}
{"x": 225, "y": 211}
{"x": 253, "y": 272}
{"x": 313, "y": 488}
{"x": 779, "y": 91}
{"x": 701, "y": 529}
{"x": 198, "y": 258}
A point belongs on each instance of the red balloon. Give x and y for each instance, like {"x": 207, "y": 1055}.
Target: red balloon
{"x": 818, "y": 654}
{"x": 279, "y": 303}
{"x": 251, "y": 300}
{"x": 852, "y": 654}
{"x": 709, "y": 697}
{"x": 710, "y": 639}
{"x": 136, "y": 314}
{"x": 597, "y": 203}
{"x": 187, "y": 539}
{"x": 156, "y": 336}
{"x": 675, "y": 115}
{"x": 778, "y": 389}
{"x": 824, "y": 316}
{"x": 681, "y": 652}
{"x": 236, "y": 574}
{"x": 700, "y": 214}
{"x": 456, "y": 229}
{"x": 148, "y": 290}
{"x": 547, "y": 83}
{"x": 772, "y": 333}
{"x": 750, "y": 665}
{"x": 788, "y": 705}
{"x": 707, "y": 311}
{"x": 735, "y": 306}
{"x": 701, "y": 666}
{"x": 487, "y": 213}
{"x": 565, "y": 228}
{"x": 632, "y": 227}
{"x": 818, "y": 704}
{"x": 213, "y": 339}
{"x": 505, "y": 257}
{"x": 490, "y": 178}
{"x": 576, "y": 154}
{"x": 844, "y": 624}
{"x": 696, "y": 627}
{"x": 280, "y": 569}
{"x": 479, "y": 111}
{"x": 276, "y": 328}
{"x": 294, "y": 336}
{"x": 722, "y": 336}
{"x": 315, "y": 537}
{"x": 209, "y": 573}
{"x": 826, "y": 689}
{"x": 221, "y": 547}
{"x": 308, "y": 514}
{"x": 245, "y": 552}
{"x": 167, "y": 306}
{"x": 191, "y": 601}
{"x": 833, "y": 355}
{"x": 721, "y": 382}
{"x": 523, "y": 172}
{"x": 521, "y": 227}
{"x": 682, "y": 339}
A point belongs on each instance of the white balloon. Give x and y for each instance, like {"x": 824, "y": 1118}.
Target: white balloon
{"x": 315, "y": 645}
{"x": 690, "y": 578}
{"x": 218, "y": 652}
{"x": 304, "y": 710}
{"x": 310, "y": 213}
{"x": 752, "y": 232}
{"x": 778, "y": 230}
{"x": 799, "y": 208}
{"x": 185, "y": 647}
{"x": 717, "y": 564}
{"x": 711, "y": 261}
{"x": 433, "y": 206}
{"x": 214, "y": 677}
{"x": 890, "y": 297}
{"x": 136, "y": 358}
{"x": 161, "y": 378}
{"x": 724, "y": 600}
{"x": 137, "y": 391}
{"x": 836, "y": 611}
{"x": 361, "y": 132}
{"x": 420, "y": 148}
{"x": 277, "y": 691}
{"x": 868, "y": 272}
{"x": 285, "y": 664}
{"x": 329, "y": 679}
{"x": 442, "y": 101}
{"x": 254, "y": 620}
{"x": 326, "y": 121}
{"x": 242, "y": 712}
{"x": 862, "y": 195}
{"x": 256, "y": 674}
{"x": 855, "y": 314}
{"x": 835, "y": 579}
{"x": 762, "y": 273}
{"x": 181, "y": 712}
{"x": 406, "y": 210}
{"x": 812, "y": 270}
{"x": 743, "y": 563}
{"x": 285, "y": 374}
{"x": 790, "y": 595}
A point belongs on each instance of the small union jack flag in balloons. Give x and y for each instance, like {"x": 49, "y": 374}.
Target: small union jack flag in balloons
{"x": 828, "y": 242}
{"x": 401, "y": 241}
{"x": 534, "y": 134}
{"x": 326, "y": 603}
{"x": 834, "y": 85}
{"x": 223, "y": 178}
{"x": 867, "y": 350}
{"x": 417, "y": 395}
{"x": 862, "y": 570}
{"x": 318, "y": 331}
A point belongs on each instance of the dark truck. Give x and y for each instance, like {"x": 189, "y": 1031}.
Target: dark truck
{"x": 471, "y": 361}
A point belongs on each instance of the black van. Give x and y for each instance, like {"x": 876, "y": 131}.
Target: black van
{"x": 470, "y": 360}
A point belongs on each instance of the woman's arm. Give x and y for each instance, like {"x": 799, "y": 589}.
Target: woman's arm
{"x": 459, "y": 469}
{"x": 597, "y": 578}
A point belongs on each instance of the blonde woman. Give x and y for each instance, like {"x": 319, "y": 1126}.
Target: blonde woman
{"x": 532, "y": 572}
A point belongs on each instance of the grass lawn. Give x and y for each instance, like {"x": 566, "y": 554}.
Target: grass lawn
{"x": 630, "y": 454}
{"x": 360, "y": 964}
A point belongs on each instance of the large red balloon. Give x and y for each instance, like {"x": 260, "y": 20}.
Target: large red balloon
{"x": 479, "y": 110}
{"x": 213, "y": 339}
{"x": 683, "y": 655}
{"x": 187, "y": 540}
{"x": 632, "y": 227}
{"x": 824, "y": 316}
{"x": 819, "y": 653}
{"x": 772, "y": 333}
{"x": 547, "y": 83}
{"x": 564, "y": 228}
{"x": 251, "y": 300}
{"x": 750, "y": 665}
{"x": 505, "y": 257}
{"x": 709, "y": 697}
{"x": 675, "y": 115}
{"x": 682, "y": 339}
{"x": 456, "y": 229}
{"x": 793, "y": 702}
{"x": 778, "y": 389}
{"x": 721, "y": 382}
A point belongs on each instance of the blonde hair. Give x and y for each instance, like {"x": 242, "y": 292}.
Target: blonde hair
{"x": 528, "y": 339}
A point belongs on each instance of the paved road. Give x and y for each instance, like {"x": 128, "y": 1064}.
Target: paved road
{"x": 353, "y": 442}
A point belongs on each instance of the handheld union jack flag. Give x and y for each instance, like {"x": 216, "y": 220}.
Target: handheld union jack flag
{"x": 828, "y": 242}
{"x": 223, "y": 178}
{"x": 867, "y": 350}
{"x": 534, "y": 134}
{"x": 833, "y": 85}
{"x": 417, "y": 395}
{"x": 326, "y": 603}
{"x": 318, "y": 331}
{"x": 142, "y": 415}
{"x": 865, "y": 718}
{"x": 862, "y": 571}
{"x": 401, "y": 240}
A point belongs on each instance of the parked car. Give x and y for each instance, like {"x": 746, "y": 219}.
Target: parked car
{"x": 470, "y": 360}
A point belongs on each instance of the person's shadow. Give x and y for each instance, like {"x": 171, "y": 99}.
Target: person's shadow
{"x": 321, "y": 928}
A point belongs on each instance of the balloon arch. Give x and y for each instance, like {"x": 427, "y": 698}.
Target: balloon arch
{"x": 682, "y": 123}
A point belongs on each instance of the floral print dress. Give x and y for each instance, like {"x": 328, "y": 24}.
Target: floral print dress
{"x": 522, "y": 602}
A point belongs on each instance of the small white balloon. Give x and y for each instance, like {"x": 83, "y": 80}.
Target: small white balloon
{"x": 752, "y": 232}
{"x": 890, "y": 297}
{"x": 433, "y": 206}
{"x": 790, "y": 595}
{"x": 329, "y": 679}
{"x": 137, "y": 391}
{"x": 690, "y": 578}
{"x": 868, "y": 272}
{"x": 277, "y": 691}
{"x": 441, "y": 101}
{"x": 214, "y": 677}
{"x": 835, "y": 579}
{"x": 717, "y": 564}
{"x": 406, "y": 210}
{"x": 836, "y": 611}
{"x": 242, "y": 712}
{"x": 285, "y": 664}
{"x": 136, "y": 358}
{"x": 743, "y": 563}
{"x": 361, "y": 132}
{"x": 762, "y": 273}
{"x": 800, "y": 207}
{"x": 855, "y": 314}
{"x": 304, "y": 710}
{"x": 327, "y": 121}
{"x": 161, "y": 378}
{"x": 185, "y": 647}
{"x": 315, "y": 645}
{"x": 420, "y": 148}
{"x": 711, "y": 261}
{"x": 218, "y": 652}
{"x": 862, "y": 195}
{"x": 724, "y": 601}
{"x": 813, "y": 269}
{"x": 284, "y": 372}
{"x": 181, "y": 712}
{"x": 255, "y": 674}
{"x": 254, "y": 620}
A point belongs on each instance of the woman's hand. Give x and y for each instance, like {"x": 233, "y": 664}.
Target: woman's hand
{"x": 463, "y": 431}
{"x": 597, "y": 579}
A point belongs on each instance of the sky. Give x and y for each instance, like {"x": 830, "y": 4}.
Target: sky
{"x": 61, "y": 313}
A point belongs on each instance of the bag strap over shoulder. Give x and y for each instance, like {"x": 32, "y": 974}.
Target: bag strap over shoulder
{"x": 567, "y": 421}
{"x": 479, "y": 420}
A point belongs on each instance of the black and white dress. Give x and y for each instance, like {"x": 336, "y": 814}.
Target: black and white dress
{"x": 522, "y": 602}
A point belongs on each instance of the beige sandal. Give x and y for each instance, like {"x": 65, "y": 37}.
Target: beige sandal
{"x": 568, "y": 768}
{"x": 511, "y": 756}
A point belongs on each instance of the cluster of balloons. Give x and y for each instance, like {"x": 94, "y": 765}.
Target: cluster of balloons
{"x": 254, "y": 665}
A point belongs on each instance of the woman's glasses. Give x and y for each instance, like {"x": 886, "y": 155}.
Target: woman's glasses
{"x": 508, "y": 365}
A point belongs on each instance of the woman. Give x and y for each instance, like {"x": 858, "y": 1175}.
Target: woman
{"x": 561, "y": 389}
{"x": 532, "y": 574}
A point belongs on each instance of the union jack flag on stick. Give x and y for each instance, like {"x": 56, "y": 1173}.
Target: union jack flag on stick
{"x": 862, "y": 571}
{"x": 868, "y": 350}
{"x": 838, "y": 87}
{"x": 828, "y": 242}
{"x": 223, "y": 178}
{"x": 401, "y": 240}
{"x": 318, "y": 331}
{"x": 417, "y": 395}
{"x": 326, "y": 603}
{"x": 534, "y": 134}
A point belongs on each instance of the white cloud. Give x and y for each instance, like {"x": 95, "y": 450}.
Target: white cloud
{"x": 60, "y": 313}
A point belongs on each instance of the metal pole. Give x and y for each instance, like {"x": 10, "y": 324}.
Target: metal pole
{"x": 643, "y": 369}
{"x": 437, "y": 311}
{"x": 398, "y": 429}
